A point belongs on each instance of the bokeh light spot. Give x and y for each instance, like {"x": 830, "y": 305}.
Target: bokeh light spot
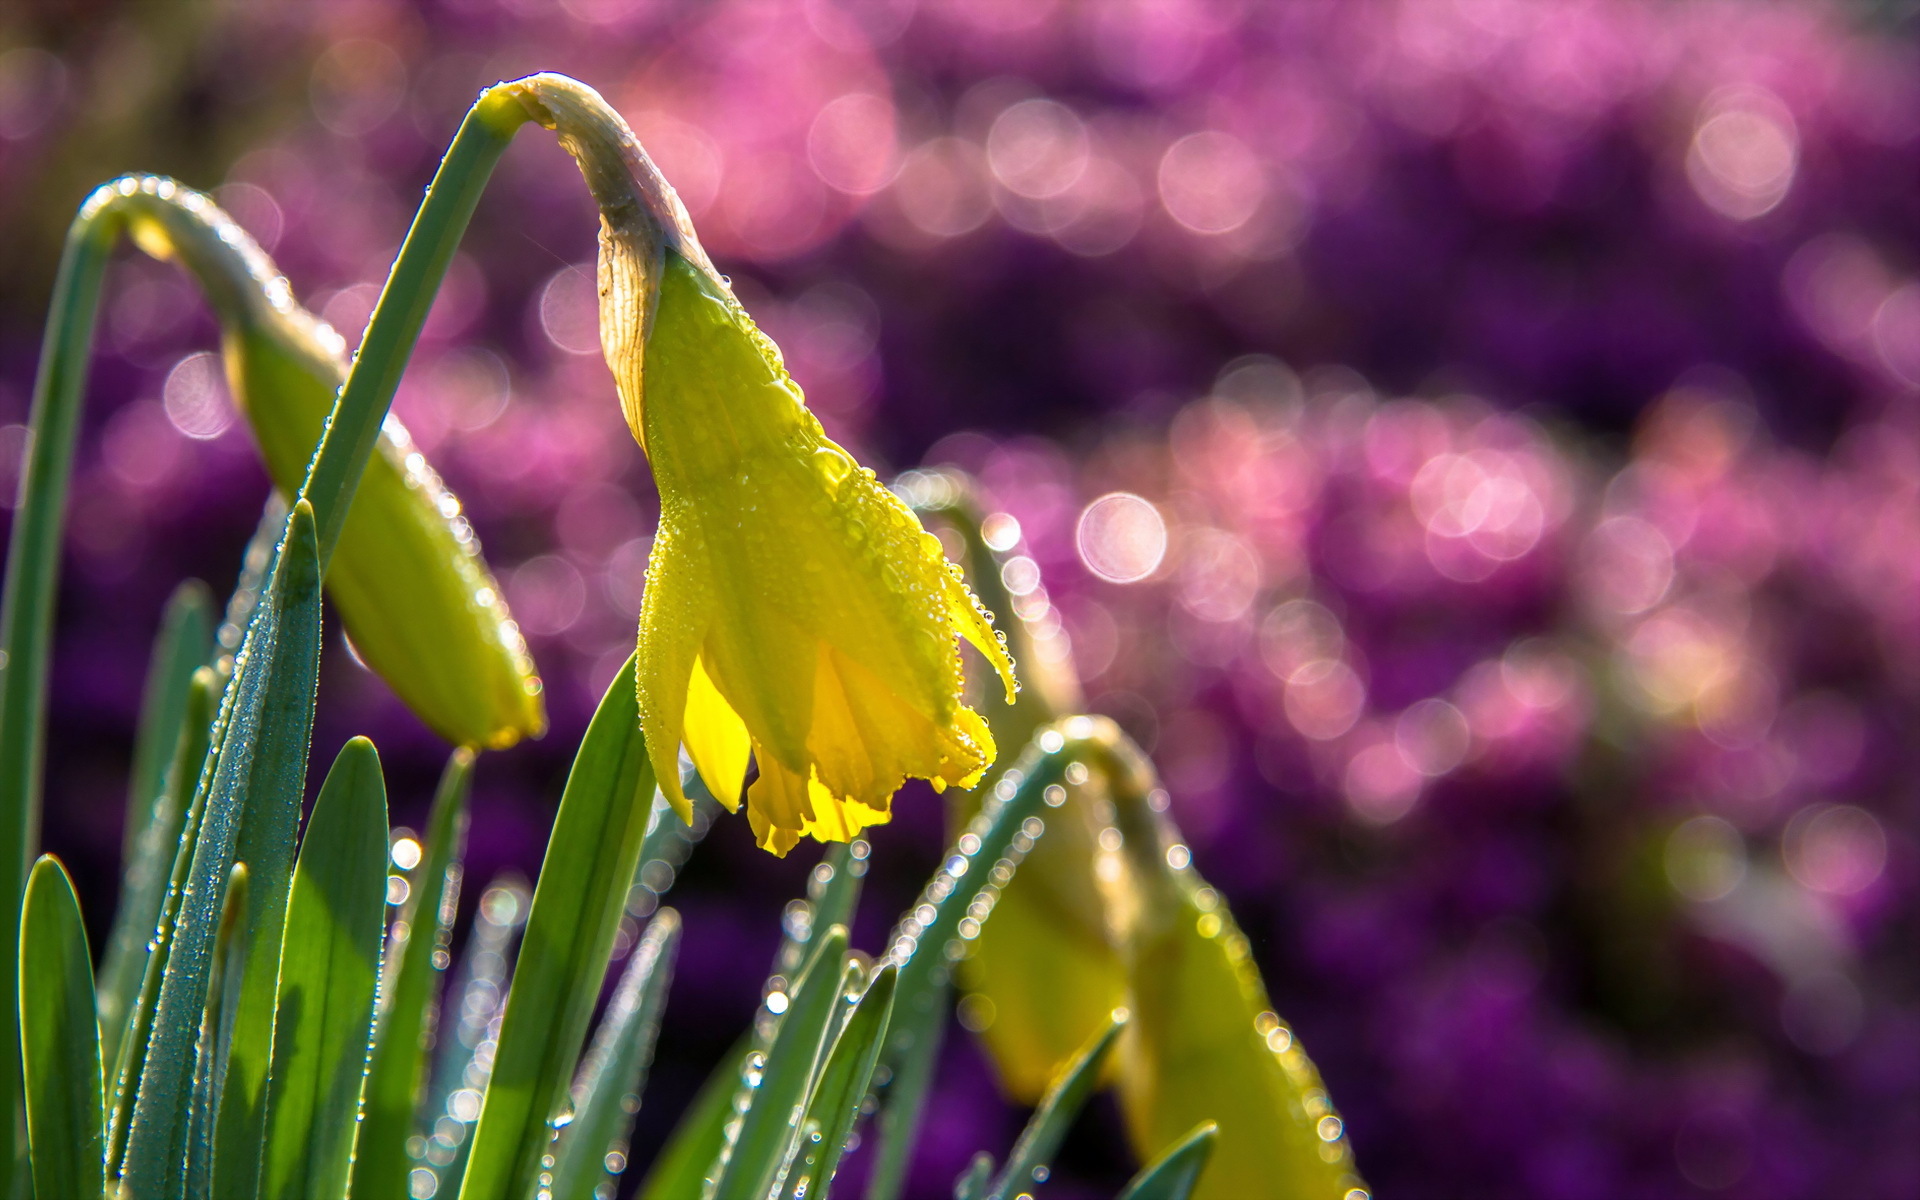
{"x": 1037, "y": 148}
{"x": 1835, "y": 848}
{"x": 570, "y": 310}
{"x": 195, "y": 396}
{"x": 851, "y": 144}
{"x": 1211, "y": 183}
{"x": 1744, "y": 154}
{"x": 1121, "y": 537}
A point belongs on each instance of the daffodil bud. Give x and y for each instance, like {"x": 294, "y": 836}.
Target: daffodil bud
{"x": 1204, "y": 1042}
{"x": 412, "y": 589}
{"x": 795, "y": 609}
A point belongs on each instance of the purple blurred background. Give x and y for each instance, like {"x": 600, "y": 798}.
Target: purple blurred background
{"x": 1473, "y": 443}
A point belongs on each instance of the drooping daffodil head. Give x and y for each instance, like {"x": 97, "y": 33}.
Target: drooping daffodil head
{"x": 795, "y": 610}
{"x": 794, "y": 605}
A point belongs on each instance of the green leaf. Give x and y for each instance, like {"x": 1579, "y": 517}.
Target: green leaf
{"x": 766, "y": 1138}
{"x": 842, "y": 1088}
{"x": 689, "y": 1162}
{"x": 132, "y": 1036}
{"x": 974, "y": 1181}
{"x": 684, "y": 1165}
{"x": 1041, "y": 1139}
{"x": 182, "y": 646}
{"x": 933, "y": 935}
{"x": 328, "y": 971}
{"x": 577, "y": 907}
{"x": 216, "y": 1030}
{"x": 143, "y": 888}
{"x": 607, "y": 1094}
{"x": 1174, "y": 1174}
{"x": 253, "y": 790}
{"x": 415, "y": 955}
{"x": 466, "y": 1052}
{"x": 59, "y": 1039}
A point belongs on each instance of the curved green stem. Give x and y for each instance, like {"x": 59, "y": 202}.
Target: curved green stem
{"x": 26, "y": 611}
{"x": 402, "y": 309}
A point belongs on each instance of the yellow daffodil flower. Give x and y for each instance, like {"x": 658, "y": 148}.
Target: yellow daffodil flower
{"x": 794, "y": 605}
{"x": 795, "y": 609}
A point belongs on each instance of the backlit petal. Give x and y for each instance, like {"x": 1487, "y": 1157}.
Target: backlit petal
{"x": 716, "y": 739}
{"x": 671, "y": 622}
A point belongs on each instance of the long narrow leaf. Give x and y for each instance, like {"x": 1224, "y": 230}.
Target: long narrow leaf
{"x": 577, "y": 908}
{"x": 836, "y": 1101}
{"x": 216, "y": 1031}
{"x": 1041, "y": 1139}
{"x": 1174, "y": 1174}
{"x": 465, "y": 1061}
{"x": 607, "y": 1095}
{"x": 134, "y": 1034}
{"x": 974, "y": 1181}
{"x": 255, "y": 783}
{"x": 690, "y": 1161}
{"x": 416, "y": 955}
{"x": 328, "y": 972}
{"x": 779, "y": 1085}
{"x": 143, "y": 888}
{"x": 59, "y": 1039}
{"x": 180, "y": 648}
{"x": 933, "y": 936}
{"x": 682, "y": 1169}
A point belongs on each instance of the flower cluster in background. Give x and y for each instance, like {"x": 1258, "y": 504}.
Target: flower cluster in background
{"x": 1533, "y": 660}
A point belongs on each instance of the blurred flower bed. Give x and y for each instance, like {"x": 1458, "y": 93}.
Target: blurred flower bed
{"x": 1533, "y": 660}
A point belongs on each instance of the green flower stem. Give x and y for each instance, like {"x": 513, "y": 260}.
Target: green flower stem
{"x": 402, "y": 309}
{"x": 26, "y": 611}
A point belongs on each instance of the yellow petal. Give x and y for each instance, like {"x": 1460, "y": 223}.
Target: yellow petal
{"x": 776, "y": 805}
{"x": 970, "y": 751}
{"x": 865, "y": 739}
{"x": 716, "y": 739}
{"x": 672, "y": 614}
{"x": 837, "y": 819}
{"x": 975, "y": 624}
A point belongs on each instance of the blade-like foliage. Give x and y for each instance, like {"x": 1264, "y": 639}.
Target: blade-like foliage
{"x": 842, "y": 1088}
{"x": 181, "y": 647}
{"x": 577, "y": 907}
{"x": 216, "y": 1030}
{"x": 59, "y": 1039}
{"x": 974, "y": 1181}
{"x": 254, "y": 783}
{"x": 465, "y": 1060}
{"x": 689, "y": 1162}
{"x": 779, "y": 1082}
{"x": 328, "y": 970}
{"x": 1041, "y": 1139}
{"x": 684, "y": 1166}
{"x": 931, "y": 937}
{"x": 143, "y": 888}
{"x": 1174, "y": 1174}
{"x": 607, "y": 1094}
{"x": 132, "y": 1036}
{"x": 416, "y": 956}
